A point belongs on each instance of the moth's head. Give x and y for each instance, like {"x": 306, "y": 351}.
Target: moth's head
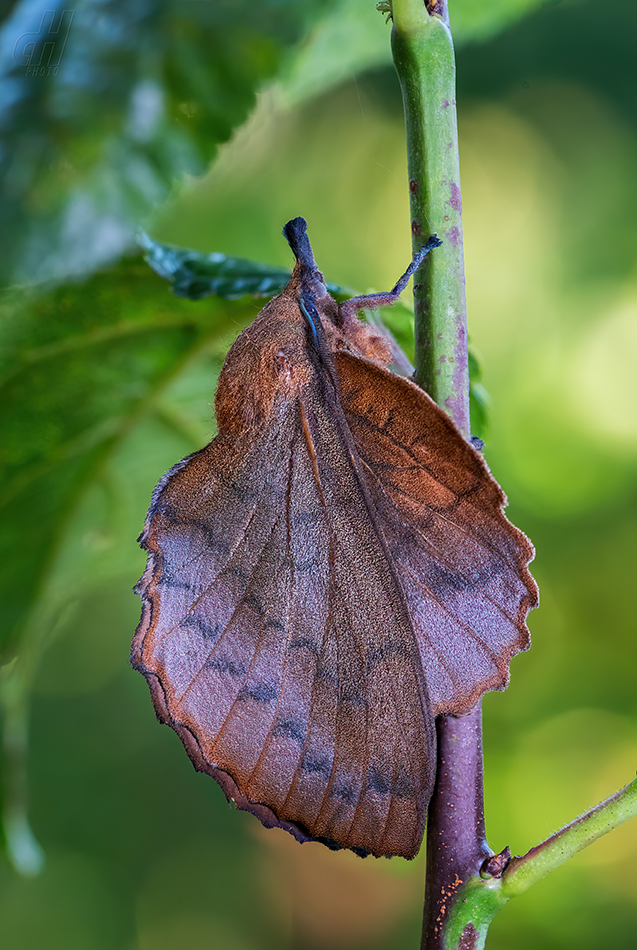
{"x": 306, "y": 277}
{"x": 343, "y": 329}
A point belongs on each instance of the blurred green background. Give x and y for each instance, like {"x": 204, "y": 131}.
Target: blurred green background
{"x": 107, "y": 379}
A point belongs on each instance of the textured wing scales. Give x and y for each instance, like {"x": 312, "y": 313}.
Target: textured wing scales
{"x": 462, "y": 565}
{"x": 270, "y": 656}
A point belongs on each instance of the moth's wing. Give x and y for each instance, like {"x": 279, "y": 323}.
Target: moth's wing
{"x": 462, "y": 564}
{"x": 276, "y": 639}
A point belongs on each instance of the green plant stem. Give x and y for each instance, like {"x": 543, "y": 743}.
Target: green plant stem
{"x": 424, "y": 59}
{"x": 466, "y": 883}
{"x": 521, "y": 873}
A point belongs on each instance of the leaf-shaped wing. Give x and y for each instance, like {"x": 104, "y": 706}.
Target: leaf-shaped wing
{"x": 276, "y": 637}
{"x": 462, "y": 565}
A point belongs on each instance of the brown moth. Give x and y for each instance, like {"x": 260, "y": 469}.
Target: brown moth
{"x": 328, "y": 575}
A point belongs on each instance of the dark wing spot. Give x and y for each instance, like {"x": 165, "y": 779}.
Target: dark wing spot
{"x": 259, "y": 692}
{"x": 235, "y": 571}
{"x": 388, "y": 421}
{"x": 293, "y": 730}
{"x": 383, "y": 652}
{"x": 170, "y": 578}
{"x": 252, "y": 490}
{"x": 316, "y": 763}
{"x": 275, "y": 624}
{"x": 245, "y": 491}
{"x": 251, "y": 600}
{"x": 224, "y": 665}
{"x": 168, "y": 510}
{"x": 207, "y": 631}
{"x": 306, "y": 517}
{"x": 352, "y": 696}
{"x": 304, "y": 643}
{"x": 307, "y": 566}
{"x": 439, "y": 580}
{"x": 377, "y": 782}
{"x": 324, "y": 676}
{"x": 214, "y": 541}
{"x": 344, "y": 791}
{"x": 404, "y": 786}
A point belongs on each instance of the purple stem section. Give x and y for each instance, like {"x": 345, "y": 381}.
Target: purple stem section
{"x": 456, "y": 843}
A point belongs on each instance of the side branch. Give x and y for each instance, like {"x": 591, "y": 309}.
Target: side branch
{"x": 478, "y": 900}
{"x": 523, "y": 872}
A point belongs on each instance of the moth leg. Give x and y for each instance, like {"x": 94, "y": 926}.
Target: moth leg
{"x": 371, "y": 301}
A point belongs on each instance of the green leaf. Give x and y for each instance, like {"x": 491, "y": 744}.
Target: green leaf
{"x": 105, "y": 103}
{"x": 84, "y": 371}
{"x": 479, "y": 399}
{"x": 478, "y": 21}
{"x": 351, "y": 38}
{"x": 196, "y": 275}
{"x": 105, "y": 384}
